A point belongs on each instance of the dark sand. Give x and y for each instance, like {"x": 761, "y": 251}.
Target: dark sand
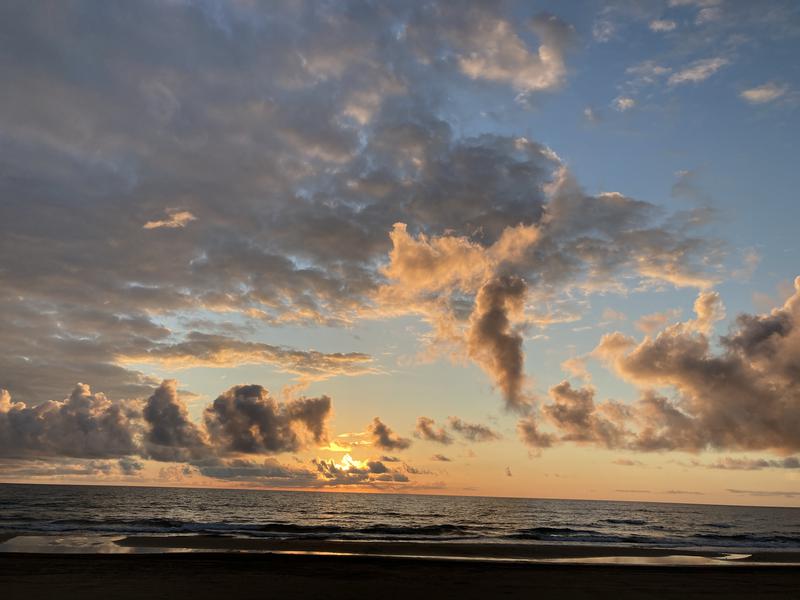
{"x": 226, "y": 576}
{"x": 441, "y": 549}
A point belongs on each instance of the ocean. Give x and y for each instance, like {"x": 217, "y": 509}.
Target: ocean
{"x": 94, "y": 510}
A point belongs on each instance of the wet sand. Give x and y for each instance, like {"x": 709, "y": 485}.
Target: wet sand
{"x": 201, "y": 576}
{"x": 439, "y": 549}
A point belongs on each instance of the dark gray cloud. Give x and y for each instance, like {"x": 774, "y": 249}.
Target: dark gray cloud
{"x": 746, "y": 396}
{"x": 129, "y": 466}
{"x": 171, "y": 436}
{"x": 531, "y": 435}
{"x": 426, "y": 430}
{"x": 742, "y": 396}
{"x": 754, "y": 464}
{"x": 474, "y": 432}
{"x": 441, "y": 458}
{"x": 265, "y": 472}
{"x": 84, "y": 425}
{"x": 575, "y": 415}
{"x": 246, "y": 419}
{"x": 67, "y": 468}
{"x": 494, "y": 343}
{"x": 386, "y": 439}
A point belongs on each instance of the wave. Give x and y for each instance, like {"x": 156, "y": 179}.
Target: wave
{"x": 294, "y": 530}
{"x": 624, "y": 521}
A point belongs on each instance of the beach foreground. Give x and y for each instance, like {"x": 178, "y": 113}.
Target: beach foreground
{"x": 238, "y": 575}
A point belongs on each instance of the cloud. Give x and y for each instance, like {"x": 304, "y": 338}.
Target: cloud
{"x": 386, "y": 439}
{"x": 576, "y": 366}
{"x": 744, "y": 397}
{"x": 648, "y": 71}
{"x": 426, "y": 430}
{"x": 754, "y": 464}
{"x": 698, "y": 71}
{"x": 338, "y": 188}
{"x": 604, "y": 30}
{"x": 246, "y": 419}
{"x": 352, "y": 471}
{"x": 492, "y": 341}
{"x": 766, "y": 493}
{"x": 268, "y": 472}
{"x": 627, "y": 462}
{"x": 175, "y": 220}
{"x": 762, "y": 94}
{"x": 591, "y": 115}
{"x": 662, "y": 25}
{"x": 441, "y": 458}
{"x": 129, "y": 466}
{"x": 508, "y": 472}
{"x": 208, "y": 350}
{"x": 474, "y": 432}
{"x": 529, "y": 433}
{"x": 708, "y": 15}
{"x": 574, "y": 414}
{"x": 171, "y": 436}
{"x": 654, "y": 321}
{"x": 69, "y": 469}
{"x": 490, "y": 49}
{"x": 84, "y": 425}
{"x": 623, "y": 103}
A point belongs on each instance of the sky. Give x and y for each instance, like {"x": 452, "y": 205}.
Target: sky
{"x": 535, "y": 249}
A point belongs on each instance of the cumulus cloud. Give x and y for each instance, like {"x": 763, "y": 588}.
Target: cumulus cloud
{"x": 574, "y": 414}
{"x": 492, "y": 340}
{"x": 698, "y": 71}
{"x": 171, "y": 436}
{"x": 383, "y": 437}
{"x": 426, "y": 430}
{"x": 531, "y": 435}
{"x": 744, "y": 397}
{"x": 473, "y": 432}
{"x": 84, "y": 425}
{"x": 762, "y": 94}
{"x": 246, "y": 419}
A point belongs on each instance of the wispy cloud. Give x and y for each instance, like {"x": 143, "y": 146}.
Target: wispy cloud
{"x": 762, "y": 94}
{"x": 174, "y": 220}
{"x": 698, "y": 71}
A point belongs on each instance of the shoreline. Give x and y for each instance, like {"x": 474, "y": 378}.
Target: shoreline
{"x": 61, "y": 544}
